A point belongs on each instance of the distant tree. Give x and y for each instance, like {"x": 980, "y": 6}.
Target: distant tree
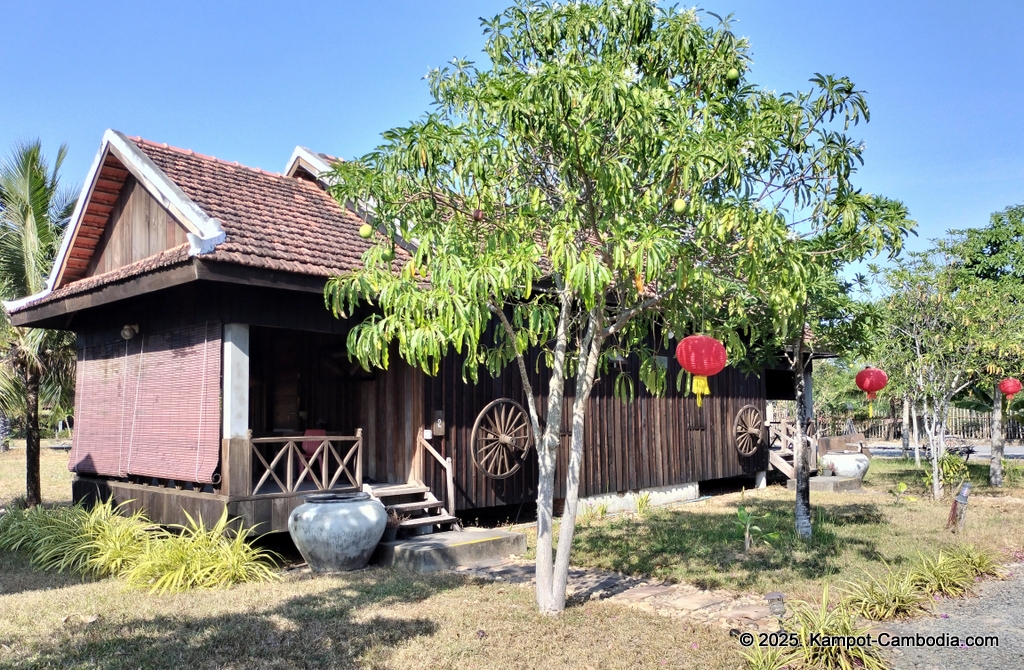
{"x": 606, "y": 184}
{"x": 37, "y": 365}
{"x": 994, "y": 254}
{"x": 942, "y": 331}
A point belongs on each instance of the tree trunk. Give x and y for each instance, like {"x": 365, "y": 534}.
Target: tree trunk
{"x": 586, "y": 371}
{"x": 906, "y": 427}
{"x": 547, "y": 457}
{"x": 917, "y": 436}
{"x": 995, "y": 464}
{"x": 801, "y": 464}
{"x": 33, "y": 492}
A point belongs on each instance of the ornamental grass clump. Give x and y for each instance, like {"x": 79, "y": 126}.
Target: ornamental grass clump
{"x": 833, "y": 637}
{"x": 942, "y": 575}
{"x": 974, "y": 561}
{"x": 197, "y": 557}
{"x": 894, "y": 596}
{"x": 102, "y": 542}
{"x": 46, "y": 535}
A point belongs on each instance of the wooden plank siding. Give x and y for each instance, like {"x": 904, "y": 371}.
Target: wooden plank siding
{"x": 649, "y": 442}
{"x": 138, "y": 228}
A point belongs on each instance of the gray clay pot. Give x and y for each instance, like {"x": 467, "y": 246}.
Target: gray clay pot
{"x": 337, "y": 531}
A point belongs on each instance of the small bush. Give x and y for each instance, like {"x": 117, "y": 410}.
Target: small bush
{"x": 894, "y": 596}
{"x": 942, "y": 575}
{"x": 198, "y": 557}
{"x": 833, "y": 622}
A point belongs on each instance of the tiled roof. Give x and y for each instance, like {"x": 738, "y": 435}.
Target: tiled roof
{"x": 176, "y": 256}
{"x": 271, "y": 221}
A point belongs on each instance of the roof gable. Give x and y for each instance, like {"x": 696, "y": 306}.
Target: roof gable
{"x": 117, "y": 159}
{"x": 231, "y": 213}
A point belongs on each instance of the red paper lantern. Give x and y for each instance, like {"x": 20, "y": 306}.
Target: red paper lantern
{"x": 871, "y": 381}
{"x": 702, "y": 357}
{"x": 1010, "y": 387}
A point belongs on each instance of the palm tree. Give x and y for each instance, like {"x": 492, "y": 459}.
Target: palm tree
{"x": 36, "y": 366}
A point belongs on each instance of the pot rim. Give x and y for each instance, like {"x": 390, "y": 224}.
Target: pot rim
{"x": 334, "y": 498}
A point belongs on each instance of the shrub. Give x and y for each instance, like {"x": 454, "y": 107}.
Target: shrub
{"x": 198, "y": 557}
{"x": 894, "y": 596}
{"x": 833, "y": 622}
{"x": 942, "y": 575}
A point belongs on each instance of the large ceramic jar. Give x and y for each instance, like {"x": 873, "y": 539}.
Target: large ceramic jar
{"x": 337, "y": 531}
{"x": 847, "y": 465}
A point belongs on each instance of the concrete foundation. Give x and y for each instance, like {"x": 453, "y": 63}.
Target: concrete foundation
{"x": 760, "y": 479}
{"x": 659, "y": 495}
{"x": 829, "y": 484}
{"x": 444, "y": 551}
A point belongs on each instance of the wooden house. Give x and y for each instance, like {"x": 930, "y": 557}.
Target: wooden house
{"x": 210, "y": 373}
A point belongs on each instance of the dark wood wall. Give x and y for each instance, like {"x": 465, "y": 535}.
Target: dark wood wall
{"x": 646, "y": 443}
{"x": 650, "y": 442}
{"x": 139, "y": 227}
{"x": 300, "y": 380}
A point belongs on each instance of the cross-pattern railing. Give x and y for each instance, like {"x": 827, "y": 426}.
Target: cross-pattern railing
{"x": 322, "y": 460}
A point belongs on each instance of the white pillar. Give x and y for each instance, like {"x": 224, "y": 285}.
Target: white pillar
{"x": 235, "y": 391}
{"x": 760, "y": 479}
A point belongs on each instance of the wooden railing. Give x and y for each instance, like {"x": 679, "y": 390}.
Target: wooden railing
{"x": 449, "y": 471}
{"x": 288, "y": 466}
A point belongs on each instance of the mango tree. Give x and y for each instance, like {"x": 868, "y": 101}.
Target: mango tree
{"x": 607, "y": 181}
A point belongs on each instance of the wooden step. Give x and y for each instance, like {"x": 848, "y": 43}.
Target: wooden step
{"x": 428, "y": 521}
{"x": 781, "y": 465}
{"x": 395, "y": 490}
{"x": 415, "y": 506}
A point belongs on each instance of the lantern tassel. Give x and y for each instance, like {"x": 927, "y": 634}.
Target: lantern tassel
{"x": 700, "y": 388}
{"x": 871, "y": 410}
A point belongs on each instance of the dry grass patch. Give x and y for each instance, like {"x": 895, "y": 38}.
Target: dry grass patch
{"x": 368, "y": 619}
{"x": 700, "y": 544}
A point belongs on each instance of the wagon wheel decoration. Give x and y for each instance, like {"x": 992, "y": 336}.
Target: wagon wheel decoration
{"x": 748, "y": 429}
{"x": 501, "y": 438}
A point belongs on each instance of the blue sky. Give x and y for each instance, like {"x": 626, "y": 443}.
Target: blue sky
{"x": 248, "y": 81}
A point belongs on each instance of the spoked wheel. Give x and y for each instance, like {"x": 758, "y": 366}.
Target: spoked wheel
{"x": 501, "y": 438}
{"x": 748, "y": 430}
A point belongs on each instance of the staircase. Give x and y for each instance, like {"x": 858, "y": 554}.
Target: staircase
{"x": 421, "y": 512}
{"x": 782, "y": 439}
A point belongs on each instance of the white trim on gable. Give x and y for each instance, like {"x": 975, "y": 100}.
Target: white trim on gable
{"x": 309, "y": 157}
{"x": 204, "y": 232}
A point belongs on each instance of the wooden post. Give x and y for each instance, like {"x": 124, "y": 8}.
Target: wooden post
{"x": 359, "y": 458}
{"x": 236, "y": 467}
{"x": 450, "y": 476}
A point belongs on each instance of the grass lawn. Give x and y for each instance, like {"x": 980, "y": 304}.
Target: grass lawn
{"x": 53, "y": 470}
{"x": 387, "y": 619}
{"x": 699, "y": 543}
{"x": 369, "y": 619}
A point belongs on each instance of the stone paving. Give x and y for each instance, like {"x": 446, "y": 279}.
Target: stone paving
{"x": 713, "y": 607}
